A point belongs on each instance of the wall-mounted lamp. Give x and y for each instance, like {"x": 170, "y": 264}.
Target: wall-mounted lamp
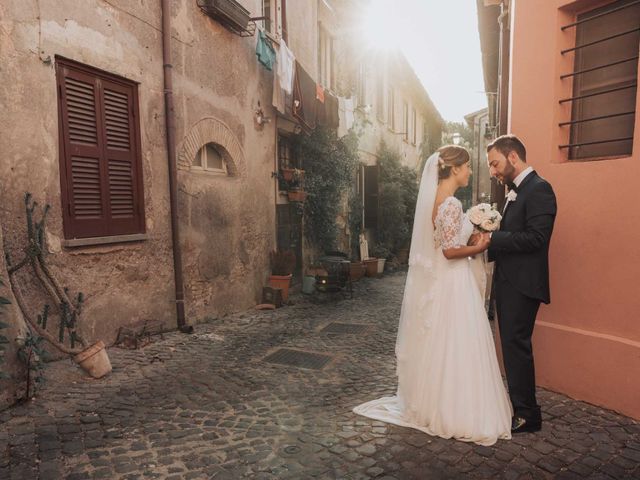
{"x": 261, "y": 119}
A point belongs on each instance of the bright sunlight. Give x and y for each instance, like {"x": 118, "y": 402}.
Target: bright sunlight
{"x": 441, "y": 42}
{"x": 382, "y": 27}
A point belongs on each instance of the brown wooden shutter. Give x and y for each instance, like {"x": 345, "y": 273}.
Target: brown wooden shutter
{"x": 371, "y": 197}
{"x": 121, "y": 153}
{"x": 100, "y": 162}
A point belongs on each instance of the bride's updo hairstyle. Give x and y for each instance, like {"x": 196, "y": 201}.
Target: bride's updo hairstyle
{"x": 451, "y": 156}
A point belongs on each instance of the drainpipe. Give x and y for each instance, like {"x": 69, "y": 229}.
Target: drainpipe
{"x": 171, "y": 155}
{"x": 502, "y": 97}
{"x": 503, "y": 68}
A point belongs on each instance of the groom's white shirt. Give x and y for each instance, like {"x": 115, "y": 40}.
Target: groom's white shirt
{"x": 517, "y": 181}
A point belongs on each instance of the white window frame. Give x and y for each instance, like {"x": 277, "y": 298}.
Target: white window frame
{"x": 326, "y": 58}
{"x": 275, "y": 14}
{"x": 202, "y": 151}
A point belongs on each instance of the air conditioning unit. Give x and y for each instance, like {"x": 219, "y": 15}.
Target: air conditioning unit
{"x": 229, "y": 13}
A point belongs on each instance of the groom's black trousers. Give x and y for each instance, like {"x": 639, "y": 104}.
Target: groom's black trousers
{"x": 516, "y": 318}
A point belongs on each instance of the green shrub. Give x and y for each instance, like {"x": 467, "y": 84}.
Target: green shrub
{"x": 330, "y": 165}
{"x": 398, "y": 190}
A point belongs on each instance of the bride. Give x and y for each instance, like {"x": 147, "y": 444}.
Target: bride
{"x": 449, "y": 383}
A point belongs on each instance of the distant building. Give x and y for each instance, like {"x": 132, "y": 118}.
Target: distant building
{"x": 393, "y": 106}
{"x": 482, "y": 135}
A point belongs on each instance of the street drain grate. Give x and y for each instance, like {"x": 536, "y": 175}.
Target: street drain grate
{"x": 340, "y": 328}
{"x": 296, "y": 358}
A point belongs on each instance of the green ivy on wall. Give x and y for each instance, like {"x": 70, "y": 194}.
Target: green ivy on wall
{"x": 330, "y": 166}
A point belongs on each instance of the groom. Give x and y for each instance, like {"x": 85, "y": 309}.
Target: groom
{"x": 520, "y": 250}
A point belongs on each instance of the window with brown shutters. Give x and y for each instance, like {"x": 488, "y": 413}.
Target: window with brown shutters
{"x": 100, "y": 165}
{"x": 371, "y": 198}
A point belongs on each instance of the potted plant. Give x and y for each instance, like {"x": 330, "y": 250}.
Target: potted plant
{"x": 371, "y": 266}
{"x": 296, "y": 195}
{"x": 292, "y": 174}
{"x": 381, "y": 252}
{"x": 283, "y": 262}
{"x": 92, "y": 358}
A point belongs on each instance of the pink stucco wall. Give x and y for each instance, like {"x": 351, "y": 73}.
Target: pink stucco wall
{"x": 587, "y": 342}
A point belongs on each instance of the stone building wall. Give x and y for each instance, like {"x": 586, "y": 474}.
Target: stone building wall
{"x": 227, "y": 222}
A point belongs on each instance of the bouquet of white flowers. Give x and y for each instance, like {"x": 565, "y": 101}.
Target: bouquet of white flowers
{"x": 484, "y": 217}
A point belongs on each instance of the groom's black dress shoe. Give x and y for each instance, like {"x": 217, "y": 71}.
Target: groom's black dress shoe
{"x": 521, "y": 425}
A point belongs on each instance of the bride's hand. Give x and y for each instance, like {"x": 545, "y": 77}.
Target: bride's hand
{"x": 473, "y": 239}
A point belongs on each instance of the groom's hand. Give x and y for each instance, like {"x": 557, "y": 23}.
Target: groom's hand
{"x": 473, "y": 239}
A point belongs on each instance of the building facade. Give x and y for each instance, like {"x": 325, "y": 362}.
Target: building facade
{"x": 391, "y": 106}
{"x": 569, "y": 72}
{"x": 85, "y": 131}
{"x": 91, "y": 128}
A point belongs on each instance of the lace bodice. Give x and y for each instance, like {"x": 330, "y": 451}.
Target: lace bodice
{"x": 452, "y": 228}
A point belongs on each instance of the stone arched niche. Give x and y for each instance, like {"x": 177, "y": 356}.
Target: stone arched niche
{"x": 211, "y": 130}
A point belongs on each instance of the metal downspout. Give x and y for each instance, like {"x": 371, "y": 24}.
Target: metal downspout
{"x": 171, "y": 156}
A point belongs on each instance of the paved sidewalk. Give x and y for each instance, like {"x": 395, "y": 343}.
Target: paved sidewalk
{"x": 209, "y": 406}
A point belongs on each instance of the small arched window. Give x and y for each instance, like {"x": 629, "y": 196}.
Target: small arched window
{"x": 211, "y": 159}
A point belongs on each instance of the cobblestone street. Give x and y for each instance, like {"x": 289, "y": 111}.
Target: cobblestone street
{"x": 208, "y": 405}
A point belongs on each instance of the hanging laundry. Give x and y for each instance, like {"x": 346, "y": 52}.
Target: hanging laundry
{"x": 346, "y": 116}
{"x": 278, "y": 100}
{"x": 331, "y": 107}
{"x": 304, "y": 98}
{"x": 327, "y": 112}
{"x": 264, "y": 51}
{"x": 285, "y": 66}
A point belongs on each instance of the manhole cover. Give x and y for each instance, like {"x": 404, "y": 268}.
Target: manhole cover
{"x": 338, "y": 328}
{"x": 296, "y": 358}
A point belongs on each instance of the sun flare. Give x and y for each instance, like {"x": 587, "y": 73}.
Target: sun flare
{"x": 380, "y": 25}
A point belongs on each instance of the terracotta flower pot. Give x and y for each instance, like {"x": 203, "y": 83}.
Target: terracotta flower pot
{"x": 282, "y": 282}
{"x": 296, "y": 195}
{"x": 372, "y": 266}
{"x": 94, "y": 360}
{"x": 357, "y": 270}
{"x": 289, "y": 173}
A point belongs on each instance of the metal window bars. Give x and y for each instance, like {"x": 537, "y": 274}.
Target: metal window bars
{"x": 584, "y": 20}
{"x": 599, "y": 67}
{"x": 600, "y": 40}
{"x": 592, "y": 69}
{"x": 597, "y": 142}
{"x": 603, "y": 92}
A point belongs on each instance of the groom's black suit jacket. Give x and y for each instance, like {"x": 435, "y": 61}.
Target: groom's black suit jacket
{"x": 521, "y": 247}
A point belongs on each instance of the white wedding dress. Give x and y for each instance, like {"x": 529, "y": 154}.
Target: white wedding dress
{"x": 449, "y": 382}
